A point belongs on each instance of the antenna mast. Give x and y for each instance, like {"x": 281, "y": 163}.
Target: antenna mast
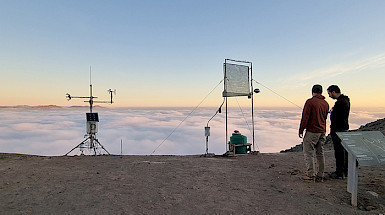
{"x": 91, "y": 143}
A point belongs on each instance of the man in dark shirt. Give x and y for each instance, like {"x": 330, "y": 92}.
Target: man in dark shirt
{"x": 339, "y": 118}
{"x": 313, "y": 119}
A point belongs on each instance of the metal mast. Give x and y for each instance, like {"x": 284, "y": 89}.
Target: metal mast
{"x": 91, "y": 142}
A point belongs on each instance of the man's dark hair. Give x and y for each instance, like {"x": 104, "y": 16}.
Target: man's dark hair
{"x": 334, "y": 88}
{"x": 316, "y": 89}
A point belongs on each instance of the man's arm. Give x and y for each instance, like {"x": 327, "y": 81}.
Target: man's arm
{"x": 304, "y": 119}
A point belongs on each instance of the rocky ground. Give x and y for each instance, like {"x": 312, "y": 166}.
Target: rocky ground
{"x": 244, "y": 184}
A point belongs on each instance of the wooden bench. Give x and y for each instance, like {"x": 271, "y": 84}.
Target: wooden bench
{"x": 232, "y": 147}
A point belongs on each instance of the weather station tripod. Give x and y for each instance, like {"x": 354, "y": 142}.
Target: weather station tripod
{"x": 91, "y": 143}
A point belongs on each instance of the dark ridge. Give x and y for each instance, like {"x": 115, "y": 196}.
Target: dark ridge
{"x": 378, "y": 125}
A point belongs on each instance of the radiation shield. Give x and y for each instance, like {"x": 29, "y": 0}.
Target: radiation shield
{"x": 92, "y": 127}
{"x": 207, "y": 134}
{"x": 207, "y": 131}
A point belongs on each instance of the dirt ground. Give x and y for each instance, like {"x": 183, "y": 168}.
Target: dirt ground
{"x": 244, "y": 184}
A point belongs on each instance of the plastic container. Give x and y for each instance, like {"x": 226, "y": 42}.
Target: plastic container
{"x": 239, "y": 139}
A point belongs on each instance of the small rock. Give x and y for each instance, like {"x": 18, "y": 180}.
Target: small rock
{"x": 369, "y": 208}
{"x": 373, "y": 193}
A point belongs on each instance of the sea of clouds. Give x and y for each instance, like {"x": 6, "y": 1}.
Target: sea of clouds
{"x": 145, "y": 131}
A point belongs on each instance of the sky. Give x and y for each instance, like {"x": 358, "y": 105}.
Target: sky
{"x": 146, "y": 131}
{"x": 171, "y": 52}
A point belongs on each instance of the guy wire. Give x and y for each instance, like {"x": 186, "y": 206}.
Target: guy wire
{"x": 243, "y": 114}
{"x": 278, "y": 94}
{"x": 247, "y": 123}
{"x": 186, "y": 117}
{"x": 216, "y": 112}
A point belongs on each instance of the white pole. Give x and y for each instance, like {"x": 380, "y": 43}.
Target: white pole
{"x": 121, "y": 147}
{"x": 352, "y": 178}
{"x": 252, "y": 105}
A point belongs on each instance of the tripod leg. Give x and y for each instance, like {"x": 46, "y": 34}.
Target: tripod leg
{"x": 77, "y": 146}
{"x": 93, "y": 144}
{"x": 102, "y": 146}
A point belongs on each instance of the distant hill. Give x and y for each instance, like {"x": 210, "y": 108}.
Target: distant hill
{"x": 32, "y": 107}
{"x": 378, "y": 125}
{"x": 45, "y": 107}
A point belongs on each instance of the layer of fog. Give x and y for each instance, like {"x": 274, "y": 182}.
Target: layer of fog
{"x": 55, "y": 131}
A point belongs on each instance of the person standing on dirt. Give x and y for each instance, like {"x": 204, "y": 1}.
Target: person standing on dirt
{"x": 339, "y": 118}
{"x": 313, "y": 119}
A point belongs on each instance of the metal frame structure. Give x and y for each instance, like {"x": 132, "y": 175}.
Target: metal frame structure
{"x": 93, "y": 142}
{"x": 250, "y": 95}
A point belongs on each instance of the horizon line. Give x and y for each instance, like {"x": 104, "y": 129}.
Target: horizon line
{"x": 112, "y": 107}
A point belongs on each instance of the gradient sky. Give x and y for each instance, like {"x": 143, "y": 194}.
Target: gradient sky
{"x": 170, "y": 52}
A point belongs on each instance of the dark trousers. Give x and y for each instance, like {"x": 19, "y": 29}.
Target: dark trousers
{"x": 340, "y": 154}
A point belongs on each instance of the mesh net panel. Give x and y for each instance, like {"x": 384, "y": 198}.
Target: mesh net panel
{"x": 237, "y": 80}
